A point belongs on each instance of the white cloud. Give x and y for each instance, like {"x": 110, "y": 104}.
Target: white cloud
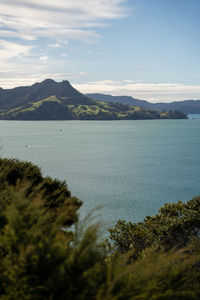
{"x": 31, "y": 19}
{"x": 9, "y": 50}
{"x": 37, "y": 24}
{"x": 15, "y": 34}
{"x": 154, "y": 92}
{"x": 56, "y": 45}
{"x": 44, "y": 57}
{"x": 26, "y": 77}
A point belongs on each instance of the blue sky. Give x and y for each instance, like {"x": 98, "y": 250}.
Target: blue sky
{"x": 148, "y": 49}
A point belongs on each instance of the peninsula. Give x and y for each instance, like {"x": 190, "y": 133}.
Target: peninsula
{"x": 51, "y": 100}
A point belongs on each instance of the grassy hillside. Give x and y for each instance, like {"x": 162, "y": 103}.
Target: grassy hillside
{"x": 186, "y": 106}
{"x": 74, "y": 108}
{"x": 51, "y": 100}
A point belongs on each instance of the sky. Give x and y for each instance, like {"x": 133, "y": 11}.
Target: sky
{"x": 147, "y": 49}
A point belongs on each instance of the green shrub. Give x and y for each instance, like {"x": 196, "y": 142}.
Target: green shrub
{"x": 54, "y": 193}
{"x": 42, "y": 259}
{"x": 176, "y": 225}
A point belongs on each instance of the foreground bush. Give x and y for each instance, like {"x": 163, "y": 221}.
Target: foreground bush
{"x": 40, "y": 258}
{"x": 175, "y": 226}
{"x": 54, "y": 194}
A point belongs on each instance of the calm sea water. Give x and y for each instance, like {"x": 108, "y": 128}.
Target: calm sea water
{"x": 130, "y": 168}
{"x": 194, "y": 116}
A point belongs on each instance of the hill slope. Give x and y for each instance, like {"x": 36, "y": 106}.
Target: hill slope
{"x": 50, "y": 100}
{"x": 187, "y": 106}
{"x": 19, "y": 96}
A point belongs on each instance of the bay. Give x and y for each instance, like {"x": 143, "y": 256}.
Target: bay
{"x": 193, "y": 116}
{"x": 130, "y": 168}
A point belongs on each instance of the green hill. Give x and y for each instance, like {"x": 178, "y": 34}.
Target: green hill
{"x": 50, "y": 100}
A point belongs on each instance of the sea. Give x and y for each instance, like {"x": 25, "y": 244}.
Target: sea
{"x": 119, "y": 169}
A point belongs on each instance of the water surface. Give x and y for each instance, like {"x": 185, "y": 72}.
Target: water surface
{"x": 131, "y": 168}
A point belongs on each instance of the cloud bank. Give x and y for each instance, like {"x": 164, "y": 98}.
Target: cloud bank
{"x": 68, "y": 19}
{"x": 32, "y": 30}
{"x": 153, "y": 92}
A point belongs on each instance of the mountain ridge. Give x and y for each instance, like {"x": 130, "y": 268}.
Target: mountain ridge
{"x": 10, "y": 98}
{"x": 51, "y": 100}
{"x": 186, "y": 106}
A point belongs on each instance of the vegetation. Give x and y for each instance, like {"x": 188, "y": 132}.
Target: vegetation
{"x": 50, "y": 100}
{"x": 41, "y": 257}
{"x": 186, "y": 106}
{"x": 175, "y": 226}
{"x": 17, "y": 177}
{"x": 52, "y": 108}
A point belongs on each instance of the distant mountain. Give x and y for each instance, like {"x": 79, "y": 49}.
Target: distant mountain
{"x": 28, "y": 94}
{"x": 187, "y": 106}
{"x": 51, "y": 100}
{"x": 119, "y": 99}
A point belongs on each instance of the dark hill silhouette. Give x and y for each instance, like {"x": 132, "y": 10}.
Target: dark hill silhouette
{"x": 11, "y": 98}
{"x": 128, "y": 100}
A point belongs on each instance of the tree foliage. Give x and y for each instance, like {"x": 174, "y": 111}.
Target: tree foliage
{"x": 176, "y": 225}
{"x": 55, "y": 195}
{"x": 42, "y": 258}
